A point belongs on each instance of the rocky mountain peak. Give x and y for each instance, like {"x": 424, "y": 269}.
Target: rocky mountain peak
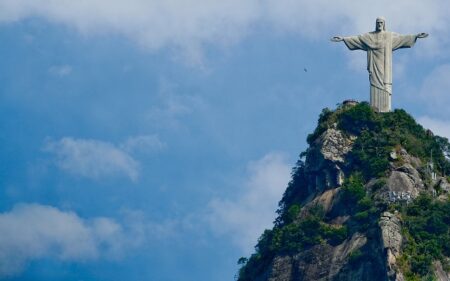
{"x": 368, "y": 200}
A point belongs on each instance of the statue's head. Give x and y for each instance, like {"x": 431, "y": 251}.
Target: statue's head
{"x": 380, "y": 24}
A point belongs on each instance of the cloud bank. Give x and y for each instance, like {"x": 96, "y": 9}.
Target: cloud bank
{"x": 92, "y": 158}
{"x": 245, "y": 218}
{"x": 190, "y": 24}
{"x": 33, "y": 231}
{"x": 97, "y": 159}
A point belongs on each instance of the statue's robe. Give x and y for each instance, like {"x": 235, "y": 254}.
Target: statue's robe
{"x": 379, "y": 47}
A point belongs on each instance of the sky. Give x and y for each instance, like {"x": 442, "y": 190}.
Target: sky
{"x": 152, "y": 140}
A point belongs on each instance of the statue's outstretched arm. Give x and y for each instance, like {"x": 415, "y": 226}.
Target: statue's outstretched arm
{"x": 422, "y": 35}
{"x": 337, "y": 39}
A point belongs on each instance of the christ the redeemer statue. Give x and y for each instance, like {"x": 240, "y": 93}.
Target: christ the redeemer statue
{"x": 379, "y": 45}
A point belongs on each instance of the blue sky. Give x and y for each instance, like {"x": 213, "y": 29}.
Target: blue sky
{"x": 152, "y": 140}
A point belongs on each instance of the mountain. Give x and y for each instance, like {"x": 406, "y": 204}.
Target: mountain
{"x": 368, "y": 200}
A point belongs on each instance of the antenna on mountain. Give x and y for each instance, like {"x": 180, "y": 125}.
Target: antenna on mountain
{"x": 431, "y": 166}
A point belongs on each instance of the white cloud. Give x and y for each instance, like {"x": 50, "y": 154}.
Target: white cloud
{"x": 92, "y": 158}
{"x": 437, "y": 126}
{"x": 60, "y": 70}
{"x": 253, "y": 210}
{"x": 174, "y": 104}
{"x": 143, "y": 144}
{"x": 33, "y": 231}
{"x": 153, "y": 24}
{"x": 190, "y": 24}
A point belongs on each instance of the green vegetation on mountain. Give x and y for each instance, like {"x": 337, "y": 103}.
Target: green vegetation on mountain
{"x": 426, "y": 227}
{"x": 378, "y": 134}
{"x": 425, "y": 221}
{"x": 293, "y": 236}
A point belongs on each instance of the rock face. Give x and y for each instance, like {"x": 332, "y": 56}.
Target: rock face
{"x": 334, "y": 145}
{"x": 391, "y": 238}
{"x": 372, "y": 249}
{"x": 326, "y": 158}
{"x": 282, "y": 269}
{"x": 314, "y": 264}
{"x": 404, "y": 183}
{"x": 441, "y": 275}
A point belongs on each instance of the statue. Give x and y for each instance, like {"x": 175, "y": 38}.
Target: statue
{"x": 379, "y": 45}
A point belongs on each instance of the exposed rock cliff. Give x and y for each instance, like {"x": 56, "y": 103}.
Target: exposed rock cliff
{"x": 349, "y": 212}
